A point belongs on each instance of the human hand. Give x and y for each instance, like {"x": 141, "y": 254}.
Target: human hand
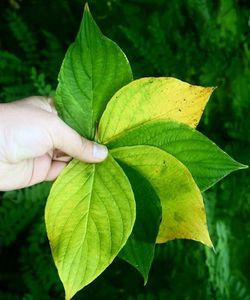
{"x": 36, "y": 145}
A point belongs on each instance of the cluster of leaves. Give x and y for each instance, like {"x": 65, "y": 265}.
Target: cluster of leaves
{"x": 192, "y": 40}
{"x": 145, "y": 192}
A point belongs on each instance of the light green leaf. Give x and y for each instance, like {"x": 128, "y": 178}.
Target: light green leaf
{"x": 139, "y": 249}
{"x": 93, "y": 69}
{"x": 89, "y": 216}
{"x": 148, "y": 99}
{"x": 204, "y": 159}
{"x": 183, "y": 213}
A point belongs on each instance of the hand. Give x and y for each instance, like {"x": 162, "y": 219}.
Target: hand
{"x": 36, "y": 145}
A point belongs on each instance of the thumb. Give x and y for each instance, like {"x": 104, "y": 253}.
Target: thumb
{"x": 70, "y": 142}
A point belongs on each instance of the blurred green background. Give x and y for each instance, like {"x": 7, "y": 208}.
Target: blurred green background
{"x": 200, "y": 41}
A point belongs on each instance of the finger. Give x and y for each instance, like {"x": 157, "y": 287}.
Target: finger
{"x": 70, "y": 142}
{"x": 44, "y": 169}
{"x": 41, "y": 168}
{"x": 58, "y": 155}
{"x": 65, "y": 158}
{"x": 55, "y": 169}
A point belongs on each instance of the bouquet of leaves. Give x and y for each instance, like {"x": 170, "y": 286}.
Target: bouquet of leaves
{"x": 149, "y": 188}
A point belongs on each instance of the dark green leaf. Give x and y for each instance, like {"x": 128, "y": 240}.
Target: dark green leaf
{"x": 204, "y": 159}
{"x": 139, "y": 249}
{"x": 93, "y": 69}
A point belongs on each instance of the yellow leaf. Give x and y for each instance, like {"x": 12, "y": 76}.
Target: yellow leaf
{"x": 149, "y": 99}
{"x": 183, "y": 213}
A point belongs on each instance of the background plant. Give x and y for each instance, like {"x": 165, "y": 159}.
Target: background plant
{"x": 204, "y": 42}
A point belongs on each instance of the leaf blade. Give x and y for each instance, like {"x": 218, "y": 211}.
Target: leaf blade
{"x": 82, "y": 94}
{"x": 183, "y": 213}
{"x": 205, "y": 160}
{"x": 148, "y": 99}
{"x": 88, "y": 205}
{"x": 139, "y": 248}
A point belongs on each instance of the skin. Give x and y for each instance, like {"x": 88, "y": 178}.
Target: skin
{"x": 36, "y": 145}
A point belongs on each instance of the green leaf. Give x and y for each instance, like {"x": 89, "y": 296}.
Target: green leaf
{"x": 89, "y": 216}
{"x": 139, "y": 249}
{"x": 183, "y": 212}
{"x": 148, "y": 99}
{"x": 205, "y": 160}
{"x": 93, "y": 69}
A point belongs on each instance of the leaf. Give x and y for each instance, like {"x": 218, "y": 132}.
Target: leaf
{"x": 139, "y": 248}
{"x": 89, "y": 216}
{"x": 205, "y": 160}
{"x": 93, "y": 69}
{"x": 150, "y": 99}
{"x": 183, "y": 213}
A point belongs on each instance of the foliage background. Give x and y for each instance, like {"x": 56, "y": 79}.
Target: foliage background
{"x": 200, "y": 41}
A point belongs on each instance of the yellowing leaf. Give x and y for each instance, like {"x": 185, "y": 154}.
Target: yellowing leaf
{"x": 89, "y": 216}
{"x": 149, "y": 99}
{"x": 183, "y": 213}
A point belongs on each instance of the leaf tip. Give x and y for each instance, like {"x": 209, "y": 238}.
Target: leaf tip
{"x": 69, "y": 292}
{"x": 210, "y": 244}
{"x": 206, "y": 240}
{"x": 68, "y": 295}
{"x": 241, "y": 166}
{"x": 210, "y": 90}
{"x": 145, "y": 278}
{"x": 86, "y": 7}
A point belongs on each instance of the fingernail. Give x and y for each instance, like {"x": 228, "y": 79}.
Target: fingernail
{"x": 99, "y": 151}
